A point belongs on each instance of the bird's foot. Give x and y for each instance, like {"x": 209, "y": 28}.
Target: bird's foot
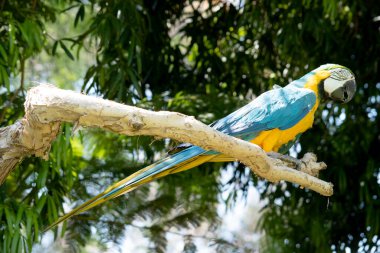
{"x": 307, "y": 164}
{"x": 289, "y": 160}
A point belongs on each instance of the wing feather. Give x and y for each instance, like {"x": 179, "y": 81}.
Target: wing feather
{"x": 279, "y": 108}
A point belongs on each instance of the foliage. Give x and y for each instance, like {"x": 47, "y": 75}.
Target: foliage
{"x": 204, "y": 60}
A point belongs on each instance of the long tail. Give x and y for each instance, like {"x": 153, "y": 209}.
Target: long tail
{"x": 184, "y": 160}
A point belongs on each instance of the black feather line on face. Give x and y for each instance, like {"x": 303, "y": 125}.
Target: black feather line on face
{"x": 321, "y": 91}
{"x": 341, "y": 74}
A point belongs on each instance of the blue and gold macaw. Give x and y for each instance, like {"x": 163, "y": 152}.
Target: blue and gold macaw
{"x": 271, "y": 121}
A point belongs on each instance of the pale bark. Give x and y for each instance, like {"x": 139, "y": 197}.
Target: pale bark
{"x": 46, "y": 106}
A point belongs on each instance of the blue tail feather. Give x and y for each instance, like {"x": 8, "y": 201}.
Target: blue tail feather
{"x": 161, "y": 166}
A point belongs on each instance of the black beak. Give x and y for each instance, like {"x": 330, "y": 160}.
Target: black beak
{"x": 345, "y": 93}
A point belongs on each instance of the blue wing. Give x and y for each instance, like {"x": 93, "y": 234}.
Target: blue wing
{"x": 279, "y": 108}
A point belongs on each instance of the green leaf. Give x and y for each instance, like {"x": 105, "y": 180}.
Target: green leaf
{"x": 139, "y": 64}
{"x": 80, "y": 15}
{"x": 135, "y": 82}
{"x": 5, "y": 77}
{"x": 3, "y": 53}
{"x": 15, "y": 242}
{"x": 11, "y": 36}
{"x": 10, "y": 219}
{"x": 67, "y": 154}
{"x": 24, "y": 33}
{"x": 35, "y": 222}
{"x": 54, "y": 49}
{"x": 63, "y": 229}
{"x": 52, "y": 209}
{"x": 102, "y": 78}
{"x": 41, "y": 203}
{"x": 12, "y": 59}
{"x": 20, "y": 212}
{"x": 29, "y": 220}
{"x": 67, "y": 51}
{"x": 5, "y": 243}
{"x": 42, "y": 175}
{"x": 131, "y": 50}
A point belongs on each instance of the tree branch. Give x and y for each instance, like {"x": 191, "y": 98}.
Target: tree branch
{"x": 46, "y": 106}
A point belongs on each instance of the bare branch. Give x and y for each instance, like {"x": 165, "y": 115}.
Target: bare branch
{"x": 46, "y": 106}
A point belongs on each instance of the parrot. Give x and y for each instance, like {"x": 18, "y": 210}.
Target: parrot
{"x": 272, "y": 120}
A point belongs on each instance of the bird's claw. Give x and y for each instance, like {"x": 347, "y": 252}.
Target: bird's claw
{"x": 307, "y": 164}
{"x": 289, "y": 160}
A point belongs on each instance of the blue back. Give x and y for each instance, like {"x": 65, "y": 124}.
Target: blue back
{"x": 279, "y": 108}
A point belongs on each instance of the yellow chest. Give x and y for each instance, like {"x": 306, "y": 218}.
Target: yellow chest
{"x": 272, "y": 140}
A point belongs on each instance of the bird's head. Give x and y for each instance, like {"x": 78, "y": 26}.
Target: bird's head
{"x": 340, "y": 84}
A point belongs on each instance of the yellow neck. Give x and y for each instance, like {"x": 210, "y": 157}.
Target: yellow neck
{"x": 314, "y": 80}
{"x": 312, "y": 84}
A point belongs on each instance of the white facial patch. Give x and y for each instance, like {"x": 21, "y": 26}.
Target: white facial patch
{"x": 337, "y": 79}
{"x": 330, "y": 85}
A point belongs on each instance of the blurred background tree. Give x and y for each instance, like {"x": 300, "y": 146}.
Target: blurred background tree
{"x": 201, "y": 58}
